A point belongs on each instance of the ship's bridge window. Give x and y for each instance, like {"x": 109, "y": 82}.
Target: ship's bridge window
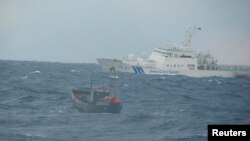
{"x": 174, "y": 65}
{"x": 167, "y": 65}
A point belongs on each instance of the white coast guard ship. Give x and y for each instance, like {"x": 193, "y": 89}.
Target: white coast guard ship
{"x": 171, "y": 60}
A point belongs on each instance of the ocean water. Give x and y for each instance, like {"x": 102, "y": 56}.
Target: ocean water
{"x": 35, "y": 104}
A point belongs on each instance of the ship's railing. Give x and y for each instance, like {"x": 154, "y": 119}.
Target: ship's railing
{"x": 233, "y": 67}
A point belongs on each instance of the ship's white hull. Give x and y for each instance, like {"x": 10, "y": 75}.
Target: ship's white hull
{"x": 108, "y": 65}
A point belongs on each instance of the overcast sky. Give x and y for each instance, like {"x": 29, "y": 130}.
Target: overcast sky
{"x": 80, "y": 31}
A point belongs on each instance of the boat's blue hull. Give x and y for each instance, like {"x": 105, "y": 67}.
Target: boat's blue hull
{"x": 90, "y": 108}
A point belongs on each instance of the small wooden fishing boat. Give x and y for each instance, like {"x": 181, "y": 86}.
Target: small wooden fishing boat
{"x": 97, "y": 100}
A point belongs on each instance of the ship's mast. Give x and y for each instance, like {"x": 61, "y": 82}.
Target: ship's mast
{"x": 188, "y": 36}
{"x": 91, "y": 89}
{"x": 112, "y": 85}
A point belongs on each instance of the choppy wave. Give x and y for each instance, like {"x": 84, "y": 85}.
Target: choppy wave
{"x": 35, "y": 104}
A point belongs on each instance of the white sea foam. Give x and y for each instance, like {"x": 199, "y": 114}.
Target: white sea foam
{"x": 25, "y": 77}
{"x": 74, "y": 71}
{"x": 159, "y": 114}
{"x": 125, "y": 85}
{"x": 11, "y": 100}
{"x": 162, "y": 78}
{"x": 37, "y": 71}
{"x": 114, "y": 76}
{"x": 217, "y": 81}
{"x": 34, "y": 135}
{"x": 33, "y": 72}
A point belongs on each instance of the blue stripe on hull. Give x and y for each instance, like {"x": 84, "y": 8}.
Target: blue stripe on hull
{"x": 134, "y": 68}
{"x": 138, "y": 70}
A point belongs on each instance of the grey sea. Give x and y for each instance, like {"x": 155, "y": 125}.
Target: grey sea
{"x": 35, "y": 104}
